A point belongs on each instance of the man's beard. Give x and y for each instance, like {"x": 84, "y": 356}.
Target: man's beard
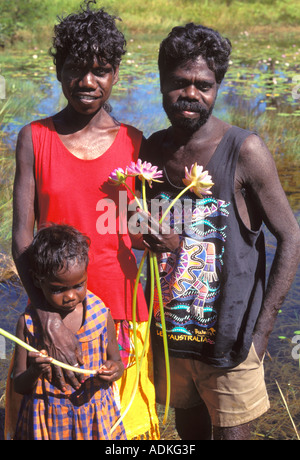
{"x": 189, "y": 125}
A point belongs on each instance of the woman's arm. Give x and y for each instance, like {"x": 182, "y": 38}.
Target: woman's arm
{"x": 59, "y": 341}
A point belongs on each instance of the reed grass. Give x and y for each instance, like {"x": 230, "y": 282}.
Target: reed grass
{"x": 31, "y": 24}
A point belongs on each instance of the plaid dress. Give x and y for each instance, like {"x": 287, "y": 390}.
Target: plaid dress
{"x": 86, "y": 414}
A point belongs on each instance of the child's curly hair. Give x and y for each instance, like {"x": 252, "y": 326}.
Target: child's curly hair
{"x": 57, "y": 247}
{"x": 87, "y": 34}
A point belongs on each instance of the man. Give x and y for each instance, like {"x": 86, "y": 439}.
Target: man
{"x": 62, "y": 168}
{"x": 218, "y": 313}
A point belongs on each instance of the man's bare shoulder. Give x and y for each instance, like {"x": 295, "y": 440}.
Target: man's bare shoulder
{"x": 254, "y": 153}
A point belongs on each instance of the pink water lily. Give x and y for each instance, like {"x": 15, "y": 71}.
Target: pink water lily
{"x": 118, "y": 176}
{"x": 199, "y": 180}
{"x": 144, "y": 171}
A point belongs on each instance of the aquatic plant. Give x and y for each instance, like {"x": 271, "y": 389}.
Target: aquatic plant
{"x": 144, "y": 171}
{"x": 196, "y": 180}
{"x": 199, "y": 182}
{"x": 287, "y": 409}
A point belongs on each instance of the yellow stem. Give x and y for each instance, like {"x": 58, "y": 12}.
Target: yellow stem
{"x": 144, "y": 195}
{"x": 134, "y": 301}
{"x": 165, "y": 338}
{"x": 136, "y": 198}
{"x": 54, "y": 361}
{"x": 174, "y": 201}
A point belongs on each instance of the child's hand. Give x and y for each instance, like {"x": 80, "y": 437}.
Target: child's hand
{"x": 111, "y": 371}
{"x": 40, "y": 363}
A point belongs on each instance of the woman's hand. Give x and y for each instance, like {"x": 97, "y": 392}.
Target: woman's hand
{"x": 62, "y": 345}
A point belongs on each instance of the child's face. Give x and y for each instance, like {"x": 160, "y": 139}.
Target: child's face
{"x": 67, "y": 288}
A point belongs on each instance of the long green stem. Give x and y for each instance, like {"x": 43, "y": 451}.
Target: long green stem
{"x": 134, "y": 324}
{"x": 144, "y": 195}
{"x": 54, "y": 361}
{"x": 134, "y": 305}
{"x": 155, "y": 274}
{"x": 165, "y": 338}
{"x": 174, "y": 201}
{"x": 136, "y": 198}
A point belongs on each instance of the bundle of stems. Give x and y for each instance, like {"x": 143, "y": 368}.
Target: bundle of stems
{"x": 199, "y": 182}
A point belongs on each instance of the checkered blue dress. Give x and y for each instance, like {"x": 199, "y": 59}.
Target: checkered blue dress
{"x": 86, "y": 414}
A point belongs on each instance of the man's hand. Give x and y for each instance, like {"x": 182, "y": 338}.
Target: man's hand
{"x": 62, "y": 345}
{"x": 158, "y": 237}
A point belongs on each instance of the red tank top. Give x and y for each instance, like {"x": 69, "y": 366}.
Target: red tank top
{"x": 72, "y": 191}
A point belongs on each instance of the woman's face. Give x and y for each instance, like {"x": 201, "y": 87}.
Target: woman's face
{"x": 87, "y": 86}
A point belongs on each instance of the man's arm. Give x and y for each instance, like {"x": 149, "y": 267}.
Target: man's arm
{"x": 59, "y": 341}
{"x": 259, "y": 174}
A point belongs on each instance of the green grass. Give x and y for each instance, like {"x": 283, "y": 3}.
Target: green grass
{"x": 30, "y": 22}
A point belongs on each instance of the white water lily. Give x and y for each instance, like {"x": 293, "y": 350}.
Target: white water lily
{"x": 199, "y": 181}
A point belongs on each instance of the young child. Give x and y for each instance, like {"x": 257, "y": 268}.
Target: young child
{"x": 59, "y": 260}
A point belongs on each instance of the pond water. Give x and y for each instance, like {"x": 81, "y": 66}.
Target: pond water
{"x": 136, "y": 100}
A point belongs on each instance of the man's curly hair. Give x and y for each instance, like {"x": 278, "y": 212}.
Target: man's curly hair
{"x": 87, "y": 34}
{"x": 188, "y": 42}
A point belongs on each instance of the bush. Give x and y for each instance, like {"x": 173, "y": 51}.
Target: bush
{"x": 20, "y": 15}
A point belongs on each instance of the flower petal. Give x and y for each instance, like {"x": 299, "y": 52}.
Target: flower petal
{"x": 200, "y": 180}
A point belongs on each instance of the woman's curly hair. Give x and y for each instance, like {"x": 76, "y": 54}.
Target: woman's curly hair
{"x": 87, "y": 34}
{"x": 186, "y": 43}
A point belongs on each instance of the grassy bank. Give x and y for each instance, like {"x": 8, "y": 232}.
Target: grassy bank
{"x": 27, "y": 23}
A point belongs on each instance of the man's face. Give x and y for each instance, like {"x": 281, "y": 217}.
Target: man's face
{"x": 189, "y": 94}
{"x": 87, "y": 87}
